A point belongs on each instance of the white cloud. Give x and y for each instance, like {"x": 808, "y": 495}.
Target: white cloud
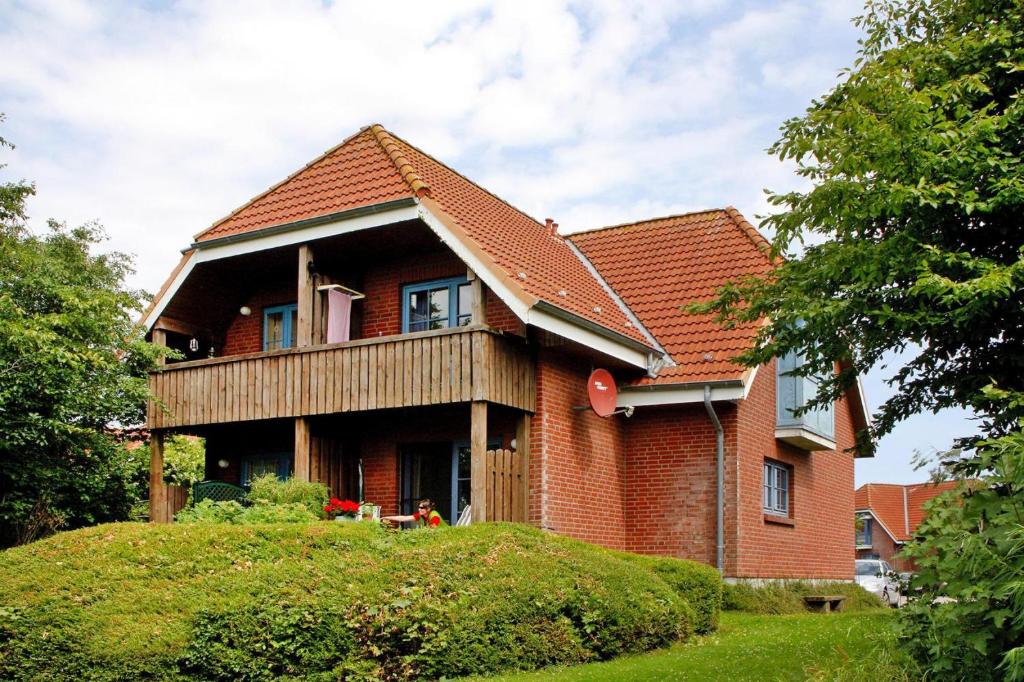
{"x": 159, "y": 119}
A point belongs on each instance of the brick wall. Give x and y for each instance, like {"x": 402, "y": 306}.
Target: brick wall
{"x": 820, "y": 541}
{"x": 245, "y": 333}
{"x": 577, "y": 458}
{"x": 670, "y": 480}
{"x": 380, "y": 312}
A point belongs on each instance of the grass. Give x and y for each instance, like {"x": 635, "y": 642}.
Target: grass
{"x": 841, "y": 646}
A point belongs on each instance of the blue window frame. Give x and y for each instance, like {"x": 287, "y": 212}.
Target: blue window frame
{"x": 440, "y": 471}
{"x": 776, "y": 488}
{"x": 280, "y": 326}
{"x": 794, "y": 391}
{"x": 864, "y": 534}
{"x": 437, "y": 304}
{"x": 255, "y": 466}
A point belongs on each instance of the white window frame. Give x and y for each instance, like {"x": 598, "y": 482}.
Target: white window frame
{"x": 776, "y": 488}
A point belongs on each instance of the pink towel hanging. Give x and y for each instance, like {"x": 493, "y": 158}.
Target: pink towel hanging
{"x": 339, "y": 316}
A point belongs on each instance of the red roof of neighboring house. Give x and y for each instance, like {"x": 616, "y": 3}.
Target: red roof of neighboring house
{"x": 375, "y": 167}
{"x": 900, "y": 508}
{"x": 658, "y": 266}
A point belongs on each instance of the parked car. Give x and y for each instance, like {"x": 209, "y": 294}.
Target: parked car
{"x": 878, "y": 578}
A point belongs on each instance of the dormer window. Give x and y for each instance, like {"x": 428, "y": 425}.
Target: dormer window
{"x": 437, "y": 304}
{"x": 812, "y": 430}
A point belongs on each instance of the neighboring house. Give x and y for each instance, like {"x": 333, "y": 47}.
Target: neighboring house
{"x": 472, "y": 330}
{"x": 889, "y": 516}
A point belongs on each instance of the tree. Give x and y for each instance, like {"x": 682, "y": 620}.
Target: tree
{"x": 72, "y": 364}
{"x": 911, "y": 232}
{"x": 910, "y": 239}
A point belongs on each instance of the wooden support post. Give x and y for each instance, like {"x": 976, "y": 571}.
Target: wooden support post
{"x": 157, "y": 490}
{"x": 521, "y": 499}
{"x": 302, "y": 450}
{"x": 305, "y": 296}
{"x": 479, "y": 309}
{"x": 160, "y": 339}
{"x": 478, "y": 484}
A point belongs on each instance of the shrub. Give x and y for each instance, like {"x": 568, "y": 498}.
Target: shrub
{"x": 322, "y": 601}
{"x": 272, "y": 490}
{"x": 699, "y": 584}
{"x": 230, "y": 511}
{"x": 788, "y": 596}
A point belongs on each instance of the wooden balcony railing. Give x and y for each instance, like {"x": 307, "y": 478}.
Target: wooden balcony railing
{"x": 427, "y": 368}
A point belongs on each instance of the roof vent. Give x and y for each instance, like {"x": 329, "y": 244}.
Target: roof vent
{"x": 522, "y": 275}
{"x": 563, "y": 293}
{"x": 597, "y": 309}
{"x": 554, "y": 229}
{"x": 708, "y": 357}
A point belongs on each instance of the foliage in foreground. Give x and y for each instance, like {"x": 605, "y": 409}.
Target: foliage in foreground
{"x": 839, "y": 647}
{"x": 788, "y": 597}
{"x": 71, "y": 362}
{"x": 322, "y": 601}
{"x": 230, "y": 511}
{"x": 184, "y": 464}
{"x": 699, "y": 584}
{"x": 970, "y": 556}
{"x": 311, "y": 495}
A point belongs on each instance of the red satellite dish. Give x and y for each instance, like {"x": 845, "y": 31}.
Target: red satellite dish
{"x": 602, "y": 392}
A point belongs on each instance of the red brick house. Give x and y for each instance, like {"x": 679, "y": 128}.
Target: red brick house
{"x": 889, "y": 515}
{"x": 381, "y": 323}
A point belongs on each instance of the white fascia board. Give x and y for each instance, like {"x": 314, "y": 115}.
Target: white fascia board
{"x": 474, "y": 262}
{"x": 548, "y": 322}
{"x": 675, "y": 395}
{"x": 527, "y": 312}
{"x": 215, "y": 251}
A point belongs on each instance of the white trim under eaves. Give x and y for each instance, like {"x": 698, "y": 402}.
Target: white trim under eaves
{"x": 526, "y": 311}
{"x": 227, "y": 249}
{"x": 642, "y": 396}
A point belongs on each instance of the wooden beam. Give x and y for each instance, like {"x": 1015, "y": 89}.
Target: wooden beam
{"x": 478, "y": 485}
{"x": 521, "y": 496}
{"x": 306, "y": 292}
{"x": 157, "y": 491}
{"x": 479, "y": 309}
{"x": 170, "y": 324}
{"x": 160, "y": 339}
{"x": 301, "y": 468}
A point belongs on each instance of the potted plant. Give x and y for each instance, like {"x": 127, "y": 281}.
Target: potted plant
{"x": 341, "y": 510}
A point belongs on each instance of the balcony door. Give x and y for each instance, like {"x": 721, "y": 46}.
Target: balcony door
{"x": 439, "y": 471}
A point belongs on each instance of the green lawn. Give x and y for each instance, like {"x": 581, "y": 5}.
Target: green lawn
{"x": 847, "y": 646}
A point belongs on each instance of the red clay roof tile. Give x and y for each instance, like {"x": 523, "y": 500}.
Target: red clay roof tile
{"x": 658, "y": 266}
{"x": 886, "y": 502}
{"x": 375, "y": 166}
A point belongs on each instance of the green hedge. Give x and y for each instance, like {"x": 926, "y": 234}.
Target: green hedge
{"x": 788, "y": 597}
{"x": 327, "y": 601}
{"x": 699, "y": 584}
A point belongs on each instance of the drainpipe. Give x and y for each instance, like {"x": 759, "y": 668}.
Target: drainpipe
{"x": 720, "y": 481}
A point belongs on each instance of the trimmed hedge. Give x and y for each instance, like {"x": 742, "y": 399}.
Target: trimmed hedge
{"x": 788, "y": 597}
{"x": 699, "y": 584}
{"x": 327, "y": 601}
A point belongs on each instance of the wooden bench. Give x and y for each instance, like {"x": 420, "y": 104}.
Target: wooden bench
{"x": 824, "y": 602}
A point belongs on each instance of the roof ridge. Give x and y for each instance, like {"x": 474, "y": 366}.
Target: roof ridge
{"x": 467, "y": 179}
{"x": 647, "y": 220}
{"x": 752, "y": 233}
{"x": 282, "y": 182}
{"x": 405, "y": 168}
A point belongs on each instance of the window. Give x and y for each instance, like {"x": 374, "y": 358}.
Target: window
{"x": 776, "y": 489}
{"x": 260, "y": 465}
{"x": 864, "y": 533}
{"x": 280, "y": 326}
{"x": 438, "y": 304}
{"x": 794, "y": 391}
{"x": 440, "y": 471}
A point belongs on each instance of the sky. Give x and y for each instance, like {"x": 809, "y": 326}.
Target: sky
{"x": 156, "y": 119}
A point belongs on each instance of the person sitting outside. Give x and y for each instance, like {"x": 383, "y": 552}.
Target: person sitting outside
{"x": 426, "y": 516}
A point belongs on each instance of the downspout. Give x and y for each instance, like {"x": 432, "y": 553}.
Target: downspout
{"x": 720, "y": 482}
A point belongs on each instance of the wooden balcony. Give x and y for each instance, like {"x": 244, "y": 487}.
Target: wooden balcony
{"x": 426, "y": 368}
